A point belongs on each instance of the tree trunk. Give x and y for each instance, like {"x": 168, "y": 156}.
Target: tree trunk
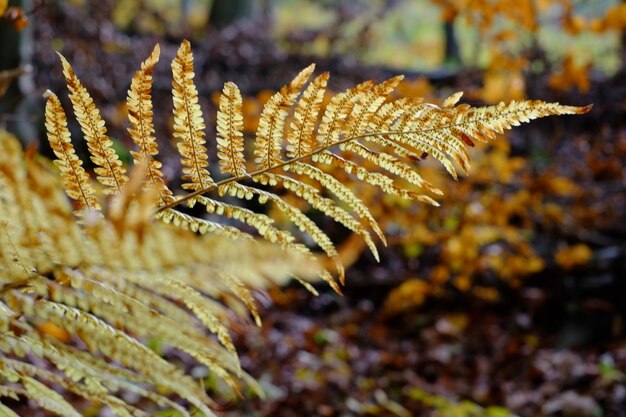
{"x": 9, "y": 59}
{"x": 20, "y": 110}
{"x": 452, "y": 52}
{"x": 225, "y": 12}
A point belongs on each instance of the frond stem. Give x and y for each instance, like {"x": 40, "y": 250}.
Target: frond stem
{"x": 230, "y": 180}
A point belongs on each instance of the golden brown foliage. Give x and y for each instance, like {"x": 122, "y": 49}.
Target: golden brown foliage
{"x": 112, "y": 284}
{"x": 377, "y": 140}
{"x": 115, "y": 279}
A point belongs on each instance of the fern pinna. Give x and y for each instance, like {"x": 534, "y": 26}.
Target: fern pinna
{"x": 120, "y": 279}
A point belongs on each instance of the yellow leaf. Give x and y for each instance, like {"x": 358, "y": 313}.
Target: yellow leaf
{"x": 571, "y": 257}
{"x": 503, "y": 86}
{"x": 410, "y": 294}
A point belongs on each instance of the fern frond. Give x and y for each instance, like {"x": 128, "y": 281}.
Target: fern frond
{"x": 230, "y": 131}
{"x": 244, "y": 294}
{"x": 263, "y": 224}
{"x": 126, "y": 350}
{"x": 188, "y": 122}
{"x": 76, "y": 181}
{"x": 82, "y": 377}
{"x": 143, "y": 321}
{"x": 341, "y": 191}
{"x": 362, "y": 131}
{"x": 110, "y": 170}
{"x": 327, "y": 206}
{"x": 366, "y": 105}
{"x": 140, "y": 116}
{"x": 115, "y": 289}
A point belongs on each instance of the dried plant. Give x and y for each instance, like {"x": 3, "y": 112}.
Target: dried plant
{"x": 110, "y": 280}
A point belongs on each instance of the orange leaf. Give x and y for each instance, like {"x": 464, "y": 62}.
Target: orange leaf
{"x": 571, "y": 257}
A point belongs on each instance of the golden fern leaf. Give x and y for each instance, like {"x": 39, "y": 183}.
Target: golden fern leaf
{"x": 188, "y": 122}
{"x": 341, "y": 191}
{"x": 270, "y": 133}
{"x": 300, "y": 138}
{"x": 329, "y": 208}
{"x": 366, "y": 105}
{"x": 296, "y": 216}
{"x": 452, "y": 145}
{"x": 47, "y": 398}
{"x": 337, "y": 112}
{"x": 244, "y": 294}
{"x": 202, "y": 226}
{"x": 126, "y": 350}
{"x": 392, "y": 116}
{"x": 140, "y": 114}
{"x": 141, "y": 320}
{"x": 261, "y": 222}
{"x": 77, "y": 182}
{"x": 362, "y": 131}
{"x": 117, "y": 288}
{"x": 230, "y": 132}
{"x": 109, "y": 169}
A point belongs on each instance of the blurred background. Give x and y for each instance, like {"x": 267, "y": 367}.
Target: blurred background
{"x": 506, "y": 300}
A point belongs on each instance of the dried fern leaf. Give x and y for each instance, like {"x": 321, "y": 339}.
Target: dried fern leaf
{"x": 341, "y": 191}
{"x": 452, "y": 100}
{"x": 76, "y": 181}
{"x": 305, "y": 224}
{"x": 243, "y": 293}
{"x": 366, "y": 105}
{"x": 422, "y": 129}
{"x": 300, "y": 138}
{"x": 142, "y": 321}
{"x": 109, "y": 168}
{"x": 188, "y": 122}
{"x": 327, "y": 206}
{"x": 271, "y": 130}
{"x": 207, "y": 311}
{"x": 377, "y": 179}
{"x": 194, "y": 224}
{"x": 126, "y": 350}
{"x": 394, "y": 117}
{"x": 88, "y": 388}
{"x": 114, "y": 289}
{"x": 261, "y": 222}
{"x": 48, "y": 399}
{"x": 292, "y": 213}
{"x": 141, "y": 129}
{"x": 230, "y": 132}
{"x": 336, "y": 113}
